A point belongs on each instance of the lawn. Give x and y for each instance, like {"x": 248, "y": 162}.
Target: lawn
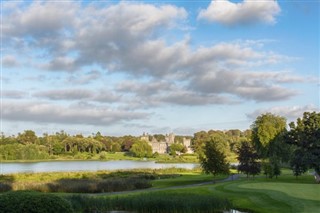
{"x": 284, "y": 194}
{"x": 185, "y": 179}
{"x": 261, "y": 195}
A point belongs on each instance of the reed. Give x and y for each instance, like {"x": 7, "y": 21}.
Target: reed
{"x": 157, "y": 202}
{"x": 84, "y": 182}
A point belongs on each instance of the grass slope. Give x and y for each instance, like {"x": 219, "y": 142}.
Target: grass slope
{"x": 285, "y": 194}
{"x": 184, "y": 179}
{"x": 261, "y": 195}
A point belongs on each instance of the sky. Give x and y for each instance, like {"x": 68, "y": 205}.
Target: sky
{"x": 181, "y": 66}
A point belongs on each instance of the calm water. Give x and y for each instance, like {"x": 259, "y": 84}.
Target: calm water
{"x": 65, "y": 166}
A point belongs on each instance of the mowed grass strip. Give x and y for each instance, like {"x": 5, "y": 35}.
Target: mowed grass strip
{"x": 185, "y": 179}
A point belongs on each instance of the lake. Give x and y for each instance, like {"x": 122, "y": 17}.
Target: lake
{"x": 68, "y": 166}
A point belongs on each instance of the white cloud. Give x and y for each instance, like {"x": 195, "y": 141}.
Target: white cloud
{"x": 9, "y": 61}
{"x": 246, "y": 12}
{"x": 14, "y": 94}
{"x": 40, "y": 112}
{"x": 128, "y": 38}
{"x": 39, "y": 19}
{"x": 258, "y": 86}
{"x": 103, "y": 95}
{"x": 65, "y": 94}
{"x": 290, "y": 112}
{"x": 86, "y": 78}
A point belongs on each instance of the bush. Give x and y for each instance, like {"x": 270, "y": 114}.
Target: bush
{"x": 27, "y": 201}
{"x": 4, "y": 187}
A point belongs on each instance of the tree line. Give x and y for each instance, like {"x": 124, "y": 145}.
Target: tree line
{"x": 28, "y": 146}
{"x": 269, "y": 146}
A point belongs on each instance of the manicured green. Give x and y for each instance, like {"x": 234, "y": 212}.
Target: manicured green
{"x": 185, "y": 179}
{"x": 284, "y": 194}
{"x": 262, "y": 195}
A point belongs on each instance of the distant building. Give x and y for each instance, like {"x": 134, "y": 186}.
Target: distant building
{"x": 162, "y": 147}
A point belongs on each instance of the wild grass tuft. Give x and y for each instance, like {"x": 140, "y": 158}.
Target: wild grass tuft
{"x": 158, "y": 202}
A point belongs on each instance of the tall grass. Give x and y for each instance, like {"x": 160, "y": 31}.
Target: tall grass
{"x": 158, "y": 202}
{"x": 85, "y": 182}
{"x": 80, "y": 185}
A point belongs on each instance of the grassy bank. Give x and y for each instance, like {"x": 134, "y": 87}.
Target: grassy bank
{"x": 87, "y": 182}
{"x": 261, "y": 195}
{"x": 186, "y": 178}
{"x": 284, "y": 194}
{"x": 110, "y": 156}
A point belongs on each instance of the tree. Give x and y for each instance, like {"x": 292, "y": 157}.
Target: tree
{"x": 271, "y": 167}
{"x": 298, "y": 163}
{"x": 27, "y": 137}
{"x": 159, "y": 137}
{"x": 213, "y": 161}
{"x": 176, "y": 147}
{"x": 266, "y": 129}
{"x": 248, "y": 160}
{"x": 127, "y": 142}
{"x": 141, "y": 149}
{"x": 305, "y": 136}
{"x": 198, "y": 141}
{"x": 115, "y": 147}
{"x": 200, "y": 138}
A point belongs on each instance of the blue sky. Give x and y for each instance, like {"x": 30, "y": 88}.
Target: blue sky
{"x": 128, "y": 67}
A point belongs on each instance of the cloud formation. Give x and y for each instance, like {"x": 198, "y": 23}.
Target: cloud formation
{"x": 245, "y": 12}
{"x": 117, "y": 62}
{"x": 290, "y": 112}
{"x": 125, "y": 38}
{"x": 41, "y": 112}
{"x": 102, "y": 95}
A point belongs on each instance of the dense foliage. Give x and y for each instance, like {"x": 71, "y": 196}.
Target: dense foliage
{"x": 227, "y": 141}
{"x": 141, "y": 149}
{"x": 28, "y": 146}
{"x": 265, "y": 132}
{"x": 24, "y": 201}
{"x": 248, "y": 160}
{"x": 305, "y": 136}
{"x": 214, "y": 161}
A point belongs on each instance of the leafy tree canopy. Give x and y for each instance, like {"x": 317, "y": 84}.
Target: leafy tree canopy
{"x": 141, "y": 149}
{"x": 305, "y": 135}
{"x": 214, "y": 161}
{"x": 248, "y": 159}
{"x": 265, "y": 129}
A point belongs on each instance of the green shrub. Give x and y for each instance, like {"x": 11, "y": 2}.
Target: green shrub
{"x": 33, "y": 202}
{"x": 4, "y": 187}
